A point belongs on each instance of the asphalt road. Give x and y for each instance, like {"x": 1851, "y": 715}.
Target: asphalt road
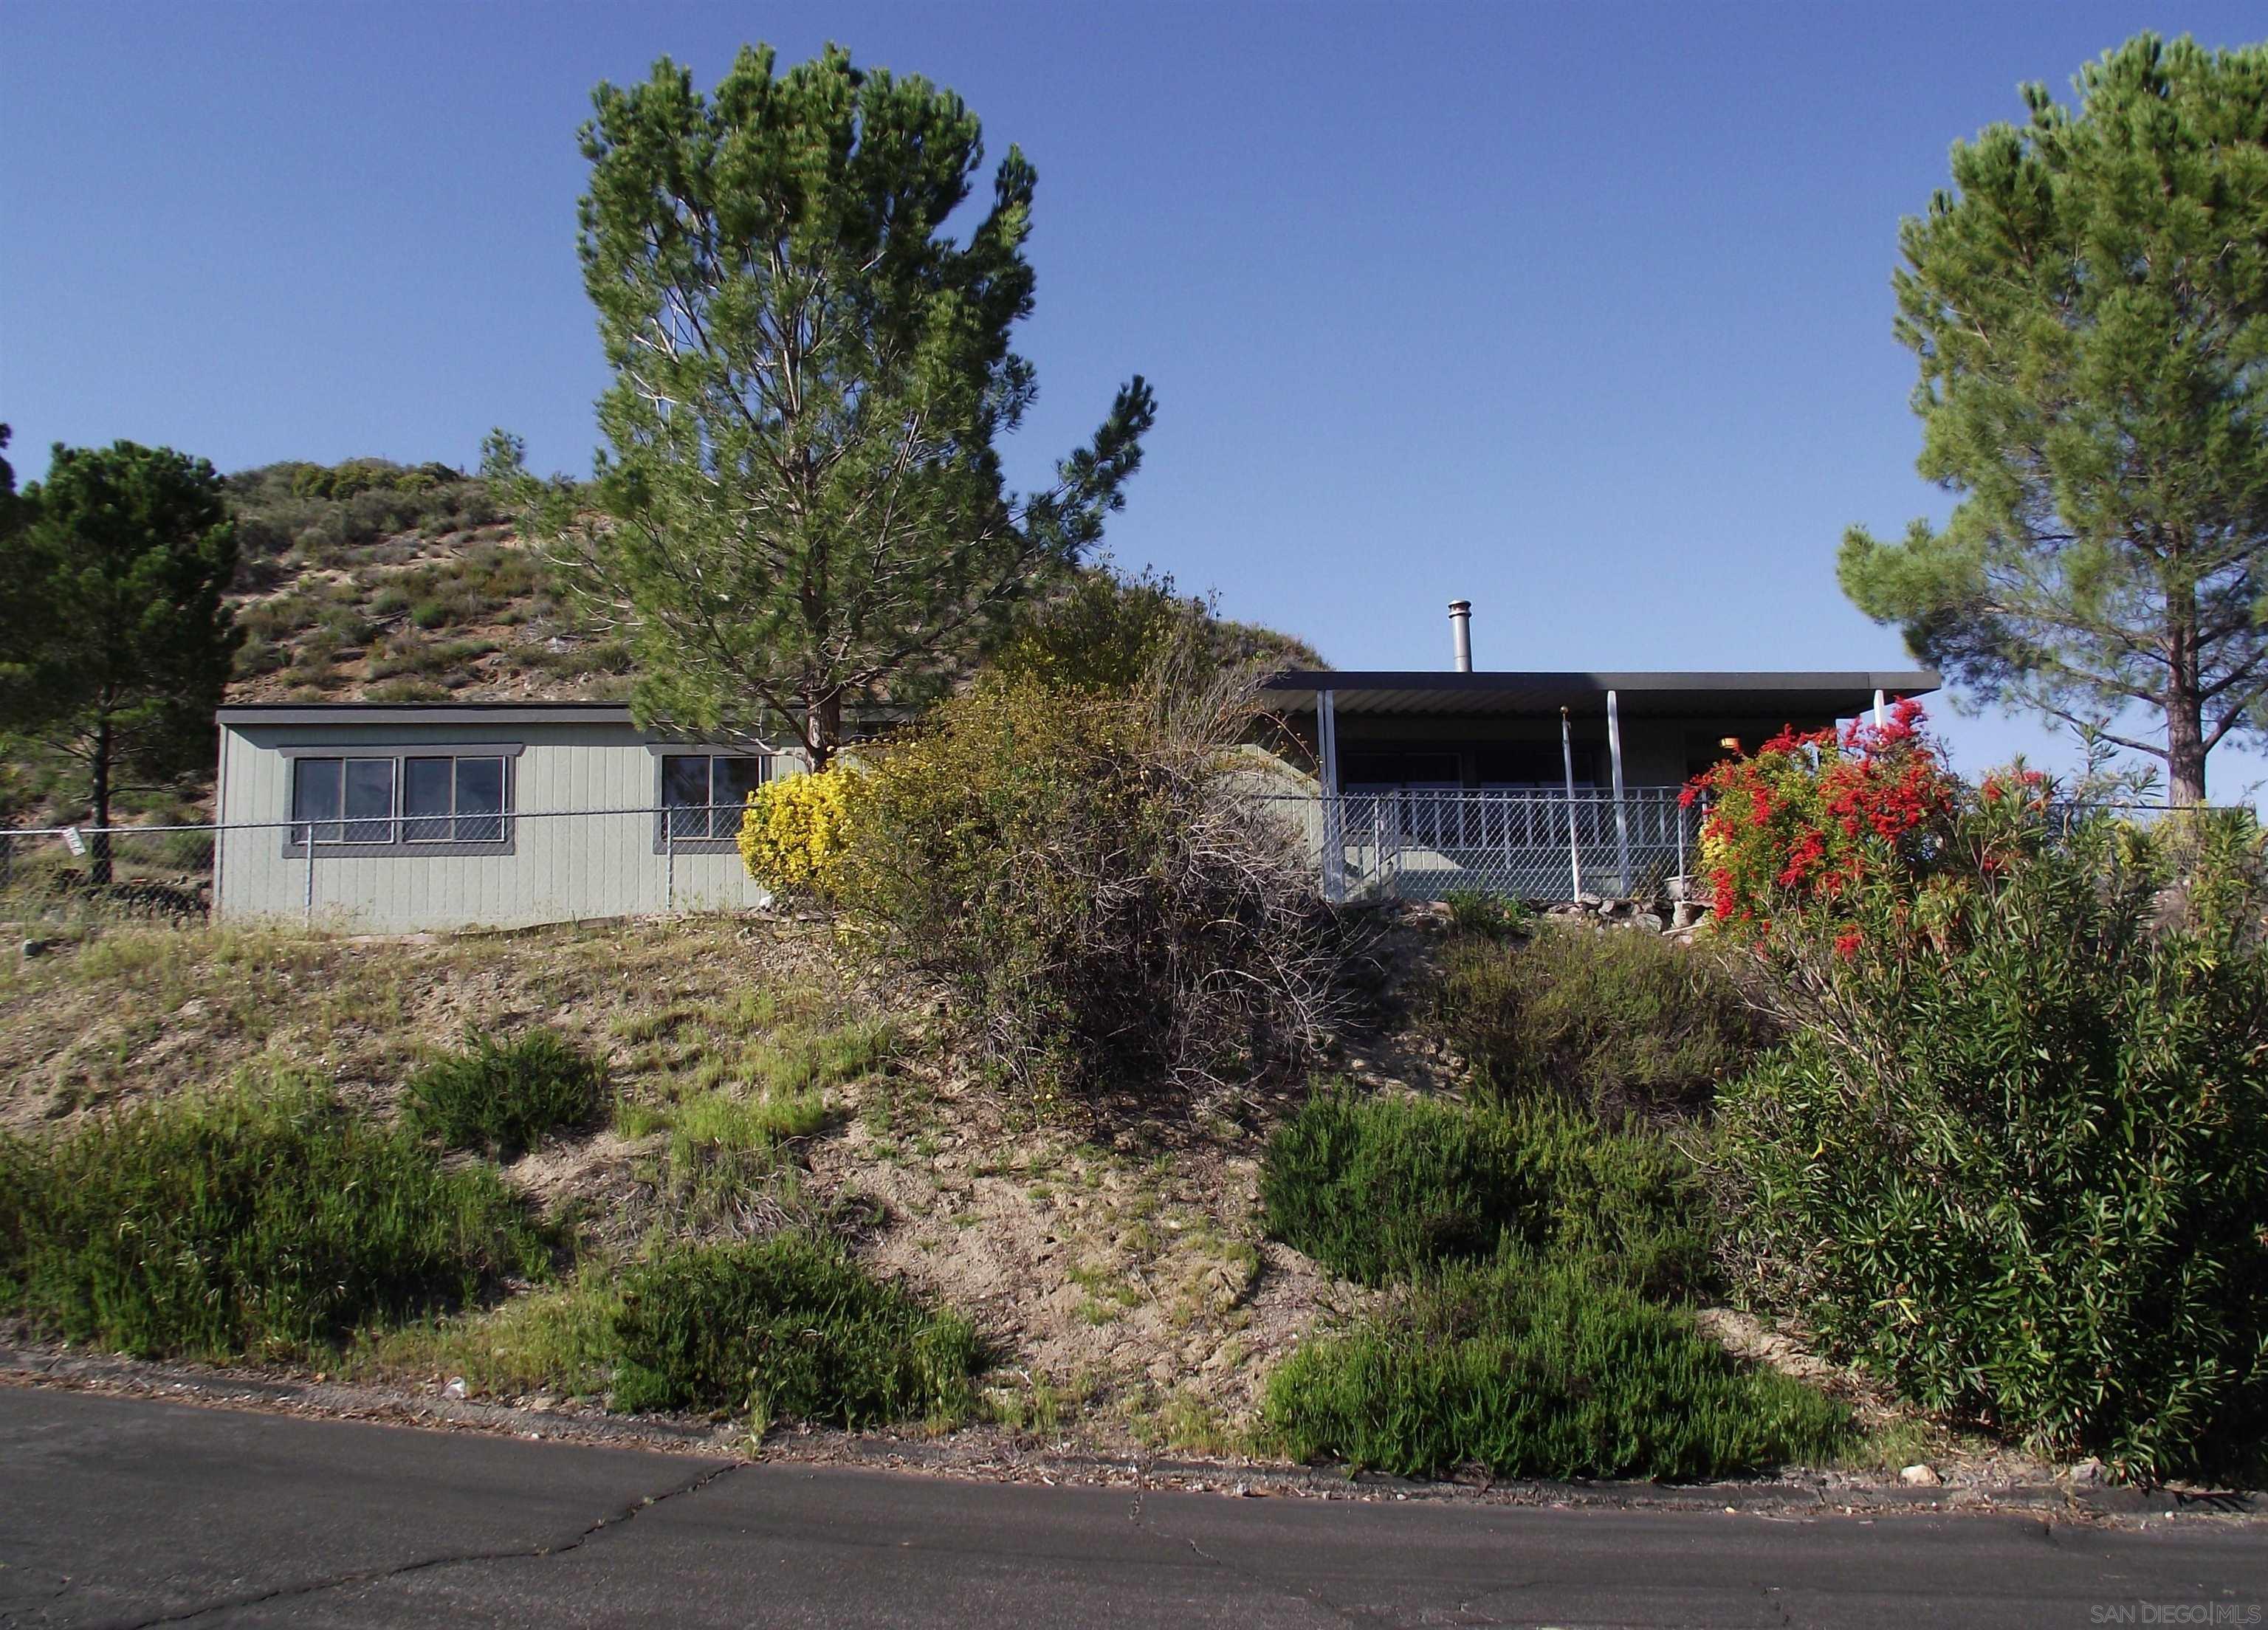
{"x": 117, "y": 1511}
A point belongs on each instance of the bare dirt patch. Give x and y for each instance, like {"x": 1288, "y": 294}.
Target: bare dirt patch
{"x": 1125, "y": 1283}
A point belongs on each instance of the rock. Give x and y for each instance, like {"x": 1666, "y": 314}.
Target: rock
{"x": 1227, "y": 1284}
{"x": 455, "y": 1389}
{"x": 1686, "y": 914}
{"x": 2087, "y": 1472}
{"x": 36, "y": 948}
{"x": 1590, "y": 900}
{"x": 1920, "y": 1475}
{"x": 1648, "y": 921}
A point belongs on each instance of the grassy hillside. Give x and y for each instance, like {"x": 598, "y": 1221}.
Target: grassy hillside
{"x": 752, "y": 1081}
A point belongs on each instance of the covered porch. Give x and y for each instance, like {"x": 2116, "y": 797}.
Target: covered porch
{"x": 1537, "y": 786}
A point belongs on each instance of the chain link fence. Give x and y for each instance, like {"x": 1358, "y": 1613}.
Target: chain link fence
{"x": 1532, "y": 844}
{"x": 525, "y": 868}
{"x": 397, "y": 874}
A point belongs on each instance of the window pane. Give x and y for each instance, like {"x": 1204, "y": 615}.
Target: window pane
{"x": 425, "y": 791}
{"x": 315, "y": 796}
{"x": 734, "y": 781}
{"x": 685, "y": 791}
{"x": 370, "y": 800}
{"x": 480, "y": 800}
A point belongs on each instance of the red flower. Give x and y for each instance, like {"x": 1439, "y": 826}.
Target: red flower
{"x": 1847, "y": 944}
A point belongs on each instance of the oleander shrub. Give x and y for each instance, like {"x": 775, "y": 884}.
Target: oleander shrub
{"x": 2014, "y": 1155}
{"x": 797, "y": 829}
{"x": 1388, "y": 1187}
{"x": 789, "y": 1327}
{"x": 1106, "y": 911}
{"x": 502, "y": 1097}
{"x": 1527, "y": 1367}
{"x": 1617, "y": 1021}
{"x": 270, "y": 1221}
{"x": 1806, "y": 818}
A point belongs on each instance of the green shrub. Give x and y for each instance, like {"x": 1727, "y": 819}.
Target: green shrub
{"x": 1378, "y": 1189}
{"x": 2014, "y": 1157}
{"x": 1106, "y": 911}
{"x": 267, "y": 1223}
{"x": 503, "y": 1097}
{"x": 1489, "y": 915}
{"x": 1617, "y": 1020}
{"x": 1387, "y": 1188}
{"x": 1528, "y": 1369}
{"x": 1628, "y": 1203}
{"x": 791, "y": 1328}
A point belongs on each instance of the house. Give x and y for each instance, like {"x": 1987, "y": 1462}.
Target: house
{"x": 1541, "y": 785}
{"x": 400, "y": 816}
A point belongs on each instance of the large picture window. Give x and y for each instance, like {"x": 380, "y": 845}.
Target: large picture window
{"x": 702, "y": 793}
{"x": 385, "y": 801}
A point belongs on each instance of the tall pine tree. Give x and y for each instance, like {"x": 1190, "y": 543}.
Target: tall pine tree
{"x": 2090, "y": 311}
{"x": 803, "y": 505}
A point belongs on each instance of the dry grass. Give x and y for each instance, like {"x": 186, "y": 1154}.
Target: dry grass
{"x": 135, "y": 1010}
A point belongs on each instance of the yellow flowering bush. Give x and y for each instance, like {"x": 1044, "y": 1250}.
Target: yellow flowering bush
{"x": 797, "y": 830}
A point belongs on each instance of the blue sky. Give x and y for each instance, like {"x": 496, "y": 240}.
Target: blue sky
{"x": 1582, "y": 312}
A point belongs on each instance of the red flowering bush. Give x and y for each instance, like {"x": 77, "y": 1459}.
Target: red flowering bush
{"x": 1806, "y": 818}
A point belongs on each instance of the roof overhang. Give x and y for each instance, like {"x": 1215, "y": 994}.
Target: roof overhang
{"x": 1780, "y": 697}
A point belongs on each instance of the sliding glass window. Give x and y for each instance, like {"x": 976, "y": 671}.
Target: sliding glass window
{"x": 441, "y": 800}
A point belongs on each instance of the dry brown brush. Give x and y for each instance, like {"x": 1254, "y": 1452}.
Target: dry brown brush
{"x": 1082, "y": 870}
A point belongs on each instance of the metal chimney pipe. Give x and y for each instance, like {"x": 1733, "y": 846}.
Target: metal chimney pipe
{"x": 1460, "y": 634}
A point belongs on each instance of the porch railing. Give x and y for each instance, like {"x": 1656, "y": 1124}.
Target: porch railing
{"x": 1532, "y": 844}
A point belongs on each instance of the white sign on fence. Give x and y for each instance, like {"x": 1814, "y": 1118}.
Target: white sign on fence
{"x": 74, "y": 842}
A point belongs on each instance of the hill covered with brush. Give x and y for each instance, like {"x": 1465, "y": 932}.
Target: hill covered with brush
{"x": 380, "y": 581}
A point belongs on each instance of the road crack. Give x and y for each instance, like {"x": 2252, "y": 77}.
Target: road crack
{"x": 371, "y": 1575}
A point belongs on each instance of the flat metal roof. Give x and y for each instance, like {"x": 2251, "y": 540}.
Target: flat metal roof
{"x": 424, "y": 713}
{"x": 1638, "y": 695}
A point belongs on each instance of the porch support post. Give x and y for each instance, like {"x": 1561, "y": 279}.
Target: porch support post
{"x": 1574, "y": 843}
{"x": 1622, "y": 818}
{"x": 1879, "y": 718}
{"x": 1327, "y": 753}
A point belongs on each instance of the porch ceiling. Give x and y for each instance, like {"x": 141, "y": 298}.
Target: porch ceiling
{"x": 1638, "y": 695}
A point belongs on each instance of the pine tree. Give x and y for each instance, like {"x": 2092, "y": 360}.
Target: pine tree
{"x": 115, "y": 643}
{"x": 2090, "y": 311}
{"x": 803, "y": 505}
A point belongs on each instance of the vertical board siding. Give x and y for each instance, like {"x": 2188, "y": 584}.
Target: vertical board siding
{"x": 562, "y": 867}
